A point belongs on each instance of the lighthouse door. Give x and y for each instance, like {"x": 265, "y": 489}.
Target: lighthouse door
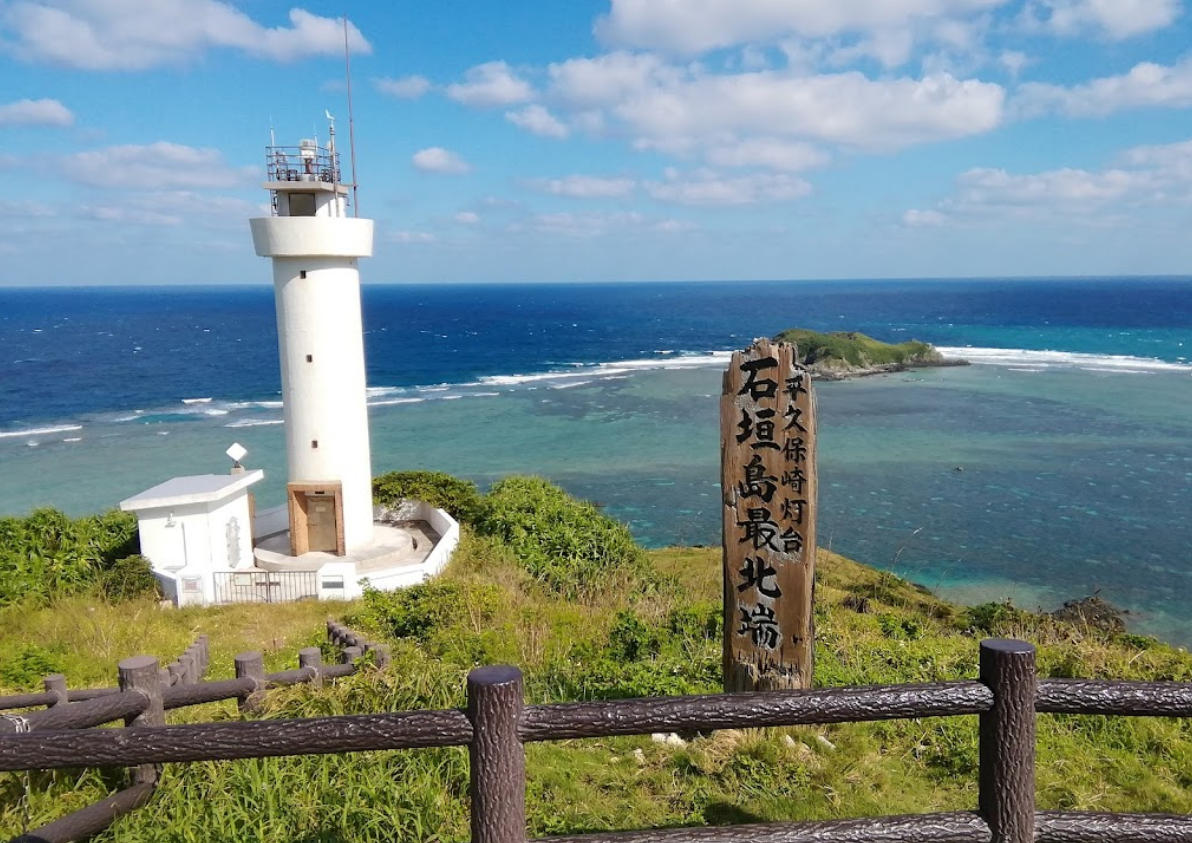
{"x": 316, "y": 518}
{"x": 320, "y": 522}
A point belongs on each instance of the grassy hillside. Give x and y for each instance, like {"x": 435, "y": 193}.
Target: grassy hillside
{"x": 652, "y": 629}
{"x": 841, "y": 351}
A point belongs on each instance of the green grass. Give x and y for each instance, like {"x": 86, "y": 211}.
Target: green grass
{"x": 851, "y": 348}
{"x": 633, "y": 635}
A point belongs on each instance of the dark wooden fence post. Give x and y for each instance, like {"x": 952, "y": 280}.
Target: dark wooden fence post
{"x": 1007, "y": 737}
{"x": 142, "y": 674}
{"x": 204, "y": 648}
{"x": 381, "y": 655}
{"x": 309, "y": 658}
{"x": 252, "y": 666}
{"x": 497, "y": 757}
{"x": 56, "y": 684}
{"x": 187, "y": 660}
{"x": 350, "y": 654}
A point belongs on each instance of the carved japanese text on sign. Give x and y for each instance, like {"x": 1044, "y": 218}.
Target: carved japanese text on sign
{"x": 768, "y": 481}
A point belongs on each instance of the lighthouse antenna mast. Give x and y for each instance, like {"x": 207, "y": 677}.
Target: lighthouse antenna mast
{"x": 351, "y": 122}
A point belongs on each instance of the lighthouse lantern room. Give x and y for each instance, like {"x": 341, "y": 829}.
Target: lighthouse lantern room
{"x": 315, "y": 245}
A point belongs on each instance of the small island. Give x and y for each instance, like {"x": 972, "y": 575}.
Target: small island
{"x": 850, "y": 354}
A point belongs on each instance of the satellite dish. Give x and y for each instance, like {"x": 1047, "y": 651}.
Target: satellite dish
{"x": 236, "y": 452}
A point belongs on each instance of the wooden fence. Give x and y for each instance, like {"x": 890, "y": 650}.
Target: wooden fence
{"x": 497, "y": 724}
{"x": 146, "y": 691}
{"x": 188, "y": 668}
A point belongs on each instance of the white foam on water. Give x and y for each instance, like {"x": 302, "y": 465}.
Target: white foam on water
{"x": 393, "y": 401}
{"x": 39, "y": 431}
{"x": 196, "y": 400}
{"x": 1010, "y": 357}
{"x": 570, "y": 385}
{"x": 255, "y": 423}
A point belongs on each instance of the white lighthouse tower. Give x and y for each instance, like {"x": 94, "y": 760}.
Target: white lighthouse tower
{"x": 315, "y": 247}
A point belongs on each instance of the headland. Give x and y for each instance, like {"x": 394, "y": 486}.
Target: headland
{"x": 850, "y": 354}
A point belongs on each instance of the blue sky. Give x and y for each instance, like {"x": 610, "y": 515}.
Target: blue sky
{"x": 577, "y": 140}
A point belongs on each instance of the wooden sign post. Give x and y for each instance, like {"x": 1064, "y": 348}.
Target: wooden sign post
{"x": 767, "y": 449}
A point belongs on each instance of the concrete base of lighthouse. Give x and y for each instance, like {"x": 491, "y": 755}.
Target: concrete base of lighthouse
{"x": 409, "y": 546}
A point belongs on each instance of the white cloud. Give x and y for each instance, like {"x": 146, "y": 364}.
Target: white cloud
{"x": 1144, "y": 85}
{"x": 708, "y": 189}
{"x": 673, "y": 226}
{"x": 25, "y": 209}
{"x": 584, "y": 225}
{"x": 846, "y": 108}
{"x": 923, "y": 219}
{"x": 43, "y": 112}
{"x": 405, "y": 88}
{"x": 491, "y": 84}
{"x": 435, "y": 159}
{"x": 412, "y": 237}
{"x": 467, "y": 217}
{"x": 585, "y": 187}
{"x": 772, "y": 153}
{"x": 696, "y": 26}
{"x": 1117, "y": 19}
{"x": 1142, "y": 176}
{"x": 537, "y": 120}
{"x": 608, "y": 79}
{"x": 170, "y": 208}
{"x": 1013, "y": 61}
{"x": 153, "y": 166}
{"x": 125, "y": 35}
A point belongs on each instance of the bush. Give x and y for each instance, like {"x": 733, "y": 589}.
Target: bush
{"x": 566, "y": 544}
{"x": 128, "y": 578}
{"x": 48, "y": 554}
{"x": 459, "y": 498}
{"x": 420, "y": 611}
{"x": 25, "y": 669}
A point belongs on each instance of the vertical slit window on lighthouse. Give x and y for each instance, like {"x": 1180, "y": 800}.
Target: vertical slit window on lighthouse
{"x": 302, "y": 273}
{"x": 314, "y": 443}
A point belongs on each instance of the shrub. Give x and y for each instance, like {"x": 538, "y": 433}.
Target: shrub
{"x": 992, "y": 618}
{"x": 458, "y": 497}
{"x": 629, "y": 639}
{"x": 48, "y": 554}
{"x": 420, "y": 611}
{"x": 566, "y": 544}
{"x": 128, "y": 578}
{"x": 27, "y": 666}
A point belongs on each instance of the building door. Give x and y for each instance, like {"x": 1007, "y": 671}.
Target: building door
{"x": 316, "y": 518}
{"x": 320, "y": 522}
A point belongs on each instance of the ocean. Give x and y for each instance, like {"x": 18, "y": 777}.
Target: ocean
{"x": 1058, "y": 465}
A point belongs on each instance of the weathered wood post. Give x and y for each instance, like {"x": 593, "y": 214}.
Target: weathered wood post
{"x": 309, "y": 658}
{"x": 496, "y": 755}
{"x": 1007, "y": 739}
{"x": 251, "y": 666}
{"x": 141, "y": 673}
{"x": 56, "y": 684}
{"x": 768, "y": 481}
{"x": 350, "y": 654}
{"x": 203, "y": 644}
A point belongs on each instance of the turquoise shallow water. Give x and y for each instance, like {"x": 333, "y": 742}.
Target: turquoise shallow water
{"x": 1072, "y": 481}
{"x": 1072, "y": 430}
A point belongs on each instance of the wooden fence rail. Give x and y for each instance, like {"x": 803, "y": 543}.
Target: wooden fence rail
{"x": 188, "y": 668}
{"x": 145, "y": 692}
{"x": 496, "y": 725}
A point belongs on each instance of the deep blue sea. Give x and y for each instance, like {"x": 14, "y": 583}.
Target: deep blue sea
{"x": 1072, "y": 430}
